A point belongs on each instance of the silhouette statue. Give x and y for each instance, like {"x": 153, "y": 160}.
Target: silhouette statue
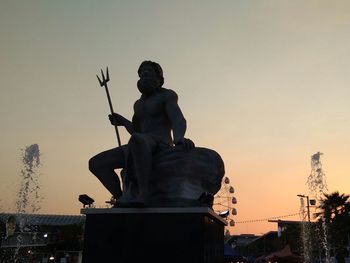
{"x": 160, "y": 167}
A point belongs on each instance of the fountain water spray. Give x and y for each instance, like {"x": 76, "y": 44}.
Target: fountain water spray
{"x": 317, "y": 187}
{"x": 317, "y": 178}
{"x": 28, "y": 198}
{"x": 28, "y": 194}
{"x": 305, "y": 232}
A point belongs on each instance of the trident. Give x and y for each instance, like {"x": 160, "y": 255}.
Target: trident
{"x": 103, "y": 83}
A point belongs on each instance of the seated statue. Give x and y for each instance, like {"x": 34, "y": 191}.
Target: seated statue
{"x": 160, "y": 167}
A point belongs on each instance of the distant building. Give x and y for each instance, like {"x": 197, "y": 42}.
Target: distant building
{"x": 282, "y": 225}
{"x": 41, "y": 238}
{"x": 241, "y": 240}
{"x": 238, "y": 243}
{"x": 252, "y": 246}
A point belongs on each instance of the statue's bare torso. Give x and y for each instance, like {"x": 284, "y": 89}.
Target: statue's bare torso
{"x": 151, "y": 114}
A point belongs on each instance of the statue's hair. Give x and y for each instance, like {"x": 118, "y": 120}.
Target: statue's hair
{"x": 157, "y": 68}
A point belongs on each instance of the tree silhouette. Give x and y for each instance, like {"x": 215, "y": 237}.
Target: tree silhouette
{"x": 335, "y": 209}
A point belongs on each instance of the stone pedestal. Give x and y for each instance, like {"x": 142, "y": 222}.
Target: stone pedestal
{"x": 132, "y": 235}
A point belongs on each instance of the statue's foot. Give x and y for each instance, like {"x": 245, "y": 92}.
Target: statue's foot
{"x": 112, "y": 201}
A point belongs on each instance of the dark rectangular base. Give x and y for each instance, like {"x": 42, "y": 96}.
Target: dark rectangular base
{"x": 132, "y": 235}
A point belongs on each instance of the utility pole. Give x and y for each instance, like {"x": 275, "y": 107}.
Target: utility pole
{"x": 308, "y": 205}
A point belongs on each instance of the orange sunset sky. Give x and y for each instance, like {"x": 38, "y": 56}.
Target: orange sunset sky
{"x": 264, "y": 83}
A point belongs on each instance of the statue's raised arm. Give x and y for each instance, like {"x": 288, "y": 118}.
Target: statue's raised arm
{"x": 177, "y": 120}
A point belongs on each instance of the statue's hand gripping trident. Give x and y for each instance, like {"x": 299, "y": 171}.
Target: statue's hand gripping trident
{"x": 103, "y": 83}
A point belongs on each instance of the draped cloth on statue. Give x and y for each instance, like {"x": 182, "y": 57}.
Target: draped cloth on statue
{"x": 179, "y": 177}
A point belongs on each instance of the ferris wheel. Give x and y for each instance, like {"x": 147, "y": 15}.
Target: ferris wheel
{"x": 224, "y": 202}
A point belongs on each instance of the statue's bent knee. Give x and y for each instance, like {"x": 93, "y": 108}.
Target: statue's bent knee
{"x": 93, "y": 165}
{"x": 137, "y": 139}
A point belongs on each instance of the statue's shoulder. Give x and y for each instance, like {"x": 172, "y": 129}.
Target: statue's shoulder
{"x": 137, "y": 102}
{"x": 169, "y": 94}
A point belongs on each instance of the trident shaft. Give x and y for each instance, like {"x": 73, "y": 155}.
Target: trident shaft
{"x": 103, "y": 83}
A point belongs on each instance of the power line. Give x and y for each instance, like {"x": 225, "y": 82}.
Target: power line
{"x": 266, "y": 219}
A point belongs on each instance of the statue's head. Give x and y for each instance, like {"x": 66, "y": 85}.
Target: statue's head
{"x": 151, "y": 77}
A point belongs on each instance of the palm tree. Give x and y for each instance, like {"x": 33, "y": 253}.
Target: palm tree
{"x": 335, "y": 210}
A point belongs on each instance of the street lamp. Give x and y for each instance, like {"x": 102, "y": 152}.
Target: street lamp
{"x": 86, "y": 200}
{"x": 309, "y": 201}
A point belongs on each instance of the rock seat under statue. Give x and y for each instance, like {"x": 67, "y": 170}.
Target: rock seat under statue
{"x": 179, "y": 178}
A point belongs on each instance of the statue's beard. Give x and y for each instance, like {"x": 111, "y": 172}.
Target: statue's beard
{"x": 147, "y": 86}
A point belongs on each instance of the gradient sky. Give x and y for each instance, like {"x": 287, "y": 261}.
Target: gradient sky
{"x": 264, "y": 83}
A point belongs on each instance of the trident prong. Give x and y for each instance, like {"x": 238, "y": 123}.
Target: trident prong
{"x": 104, "y": 80}
{"x": 107, "y": 73}
{"x": 99, "y": 80}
